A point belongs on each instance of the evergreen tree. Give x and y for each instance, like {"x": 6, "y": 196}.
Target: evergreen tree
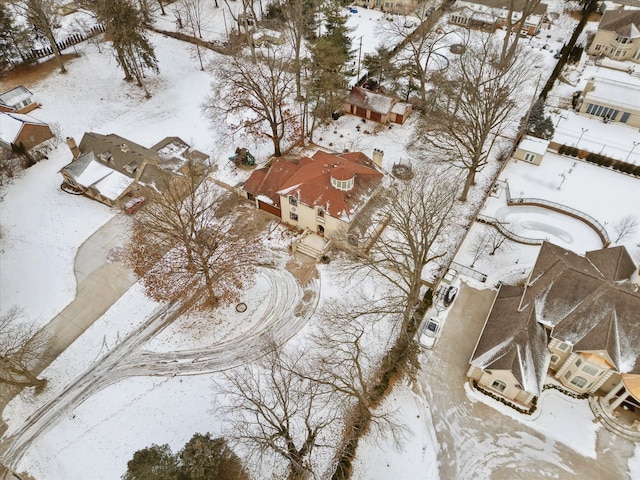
{"x": 330, "y": 56}
{"x": 206, "y": 458}
{"x": 125, "y": 27}
{"x": 538, "y": 123}
{"x": 156, "y": 462}
{"x": 14, "y": 39}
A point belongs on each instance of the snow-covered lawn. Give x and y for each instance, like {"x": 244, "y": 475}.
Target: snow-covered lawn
{"x": 42, "y": 228}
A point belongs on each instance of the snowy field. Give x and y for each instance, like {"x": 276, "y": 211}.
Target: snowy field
{"x": 94, "y": 434}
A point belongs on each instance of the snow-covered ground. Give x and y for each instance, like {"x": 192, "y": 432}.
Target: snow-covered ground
{"x": 42, "y": 228}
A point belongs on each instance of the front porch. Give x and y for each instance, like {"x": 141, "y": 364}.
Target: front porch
{"x": 311, "y": 244}
{"x": 618, "y": 411}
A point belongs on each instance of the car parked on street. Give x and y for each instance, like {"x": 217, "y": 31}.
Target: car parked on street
{"x": 429, "y": 332}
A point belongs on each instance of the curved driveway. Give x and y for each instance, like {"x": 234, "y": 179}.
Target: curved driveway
{"x": 290, "y": 307}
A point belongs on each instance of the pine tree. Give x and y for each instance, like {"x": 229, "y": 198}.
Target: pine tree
{"x": 125, "y": 27}
{"x": 540, "y": 124}
{"x": 13, "y": 39}
{"x": 330, "y": 55}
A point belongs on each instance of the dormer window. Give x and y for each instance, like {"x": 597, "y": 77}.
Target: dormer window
{"x": 293, "y": 200}
{"x": 321, "y": 212}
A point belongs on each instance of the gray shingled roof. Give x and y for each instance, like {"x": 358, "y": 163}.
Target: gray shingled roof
{"x": 586, "y": 301}
{"x": 623, "y": 22}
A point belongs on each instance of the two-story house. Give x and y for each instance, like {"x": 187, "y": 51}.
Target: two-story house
{"x": 618, "y": 36}
{"x": 490, "y": 15}
{"x": 576, "y": 320}
{"x": 323, "y": 194}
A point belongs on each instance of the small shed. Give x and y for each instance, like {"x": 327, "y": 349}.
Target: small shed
{"x": 531, "y": 149}
{"x": 18, "y": 100}
{"x": 376, "y": 106}
{"x": 23, "y": 131}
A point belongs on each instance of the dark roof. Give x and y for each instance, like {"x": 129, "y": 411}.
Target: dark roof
{"x": 586, "y": 301}
{"x": 621, "y": 21}
{"x": 512, "y": 340}
{"x": 117, "y": 152}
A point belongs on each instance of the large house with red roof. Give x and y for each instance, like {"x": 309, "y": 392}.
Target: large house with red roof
{"x": 323, "y": 194}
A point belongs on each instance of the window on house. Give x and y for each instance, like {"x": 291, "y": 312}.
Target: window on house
{"x": 554, "y": 359}
{"x": 579, "y": 381}
{"x": 293, "y": 216}
{"x": 321, "y": 212}
{"x": 499, "y": 385}
{"x": 590, "y": 369}
{"x": 578, "y": 362}
{"x": 529, "y": 157}
{"x": 567, "y": 375}
{"x": 563, "y": 346}
{"x": 625, "y": 117}
{"x": 293, "y": 200}
{"x": 598, "y": 47}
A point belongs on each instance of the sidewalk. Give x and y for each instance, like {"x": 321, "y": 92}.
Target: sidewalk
{"x": 101, "y": 280}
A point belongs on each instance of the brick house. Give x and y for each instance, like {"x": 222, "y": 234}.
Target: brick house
{"x": 22, "y": 131}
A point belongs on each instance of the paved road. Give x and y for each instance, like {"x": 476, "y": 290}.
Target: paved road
{"x": 463, "y": 428}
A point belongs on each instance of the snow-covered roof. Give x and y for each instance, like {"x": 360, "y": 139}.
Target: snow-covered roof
{"x": 614, "y": 93}
{"x": 13, "y": 97}
{"x": 11, "y": 125}
{"x": 375, "y": 102}
{"x": 587, "y": 301}
{"x": 89, "y": 173}
{"x": 534, "y": 145}
{"x": 512, "y": 340}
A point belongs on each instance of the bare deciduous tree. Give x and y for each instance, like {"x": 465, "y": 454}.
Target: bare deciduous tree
{"x": 418, "y": 212}
{"x": 478, "y": 247}
{"x": 274, "y": 409}
{"x": 299, "y": 15}
{"x": 517, "y": 14}
{"x": 186, "y": 247}
{"x": 42, "y": 14}
{"x": 624, "y": 227}
{"x": 476, "y": 100}
{"x": 344, "y": 361}
{"x": 257, "y": 94}
{"x": 195, "y": 18}
{"x": 422, "y": 45}
{"x": 20, "y": 347}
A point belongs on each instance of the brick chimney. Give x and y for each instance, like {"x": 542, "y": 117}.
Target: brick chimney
{"x": 377, "y": 157}
{"x": 73, "y": 147}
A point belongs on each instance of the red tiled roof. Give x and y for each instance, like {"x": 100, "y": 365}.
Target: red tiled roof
{"x": 267, "y": 181}
{"x": 311, "y": 182}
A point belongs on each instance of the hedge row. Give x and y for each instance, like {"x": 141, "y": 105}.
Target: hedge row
{"x": 526, "y": 411}
{"x": 601, "y": 160}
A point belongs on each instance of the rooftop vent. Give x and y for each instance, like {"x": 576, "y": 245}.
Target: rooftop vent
{"x": 124, "y": 147}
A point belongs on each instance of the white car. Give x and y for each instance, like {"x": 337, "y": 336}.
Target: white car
{"x": 429, "y": 332}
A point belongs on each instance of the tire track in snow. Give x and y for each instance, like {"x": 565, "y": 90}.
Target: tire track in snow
{"x": 290, "y": 307}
